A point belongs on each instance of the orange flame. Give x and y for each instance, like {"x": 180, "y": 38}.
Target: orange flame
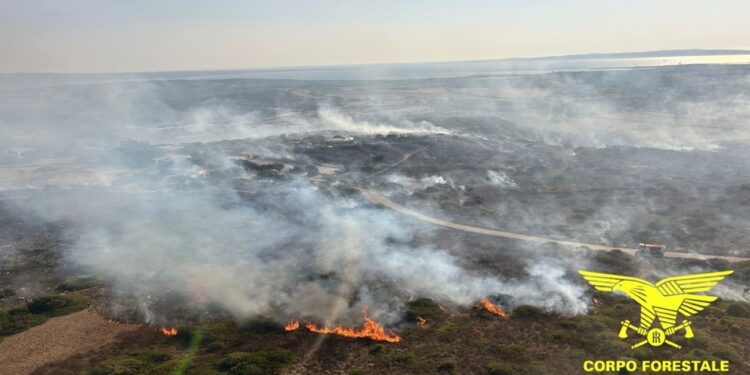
{"x": 292, "y": 325}
{"x": 370, "y": 330}
{"x": 169, "y": 331}
{"x": 421, "y": 322}
{"x": 497, "y": 310}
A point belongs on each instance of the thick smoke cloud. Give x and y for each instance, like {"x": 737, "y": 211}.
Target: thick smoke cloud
{"x": 308, "y": 256}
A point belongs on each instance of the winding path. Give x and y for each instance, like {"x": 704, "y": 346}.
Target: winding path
{"x": 374, "y": 197}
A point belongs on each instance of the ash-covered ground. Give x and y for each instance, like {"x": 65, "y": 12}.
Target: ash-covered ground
{"x": 171, "y": 202}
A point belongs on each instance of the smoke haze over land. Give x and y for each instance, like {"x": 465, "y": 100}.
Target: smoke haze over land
{"x": 239, "y": 194}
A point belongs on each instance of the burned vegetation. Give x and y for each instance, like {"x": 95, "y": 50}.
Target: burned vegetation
{"x": 301, "y": 227}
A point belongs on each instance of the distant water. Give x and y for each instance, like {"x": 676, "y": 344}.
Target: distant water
{"x": 387, "y": 71}
{"x": 463, "y": 69}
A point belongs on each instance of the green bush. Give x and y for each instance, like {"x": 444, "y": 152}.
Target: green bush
{"x": 77, "y": 283}
{"x": 724, "y": 351}
{"x": 512, "y": 352}
{"x": 527, "y": 312}
{"x": 138, "y": 363}
{"x": 738, "y": 310}
{"x": 453, "y": 326}
{"x": 577, "y": 353}
{"x": 17, "y": 320}
{"x": 643, "y": 353}
{"x": 621, "y": 311}
{"x": 447, "y": 365}
{"x": 377, "y": 349}
{"x": 151, "y": 356}
{"x": 57, "y": 305}
{"x": 596, "y": 323}
{"x": 558, "y": 335}
{"x": 500, "y": 368}
{"x": 38, "y": 311}
{"x": 569, "y": 325}
{"x": 610, "y": 345}
{"x": 121, "y": 366}
{"x": 535, "y": 368}
{"x": 415, "y": 364}
{"x": 261, "y": 325}
{"x": 424, "y": 308}
{"x": 267, "y": 361}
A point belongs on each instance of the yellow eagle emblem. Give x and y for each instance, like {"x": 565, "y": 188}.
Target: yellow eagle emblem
{"x": 662, "y": 300}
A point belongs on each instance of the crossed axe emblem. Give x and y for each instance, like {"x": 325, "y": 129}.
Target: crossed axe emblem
{"x": 656, "y": 336}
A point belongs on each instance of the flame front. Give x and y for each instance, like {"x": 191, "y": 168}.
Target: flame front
{"x": 292, "y": 325}
{"x": 421, "y": 322}
{"x": 497, "y": 310}
{"x": 169, "y": 331}
{"x": 370, "y": 330}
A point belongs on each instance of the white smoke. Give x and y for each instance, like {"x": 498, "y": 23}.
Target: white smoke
{"x": 500, "y": 179}
{"x": 334, "y": 119}
{"x": 308, "y": 256}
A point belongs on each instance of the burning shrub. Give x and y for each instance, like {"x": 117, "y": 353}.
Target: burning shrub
{"x": 493, "y": 309}
{"x": 370, "y": 329}
{"x": 262, "y": 362}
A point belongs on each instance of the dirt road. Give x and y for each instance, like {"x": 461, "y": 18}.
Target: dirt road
{"x": 57, "y": 339}
{"x": 374, "y": 197}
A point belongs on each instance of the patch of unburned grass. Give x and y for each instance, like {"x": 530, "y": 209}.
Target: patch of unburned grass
{"x": 36, "y": 312}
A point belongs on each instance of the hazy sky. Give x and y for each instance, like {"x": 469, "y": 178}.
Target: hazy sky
{"x": 148, "y": 35}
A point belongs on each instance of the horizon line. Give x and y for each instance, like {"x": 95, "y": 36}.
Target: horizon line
{"x": 585, "y": 56}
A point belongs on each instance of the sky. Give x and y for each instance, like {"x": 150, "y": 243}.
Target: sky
{"x": 167, "y": 35}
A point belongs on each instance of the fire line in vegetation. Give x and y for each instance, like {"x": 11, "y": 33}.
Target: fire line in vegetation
{"x": 292, "y": 325}
{"x": 370, "y": 329}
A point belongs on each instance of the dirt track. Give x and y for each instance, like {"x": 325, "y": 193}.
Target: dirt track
{"x": 379, "y": 199}
{"x": 57, "y": 339}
